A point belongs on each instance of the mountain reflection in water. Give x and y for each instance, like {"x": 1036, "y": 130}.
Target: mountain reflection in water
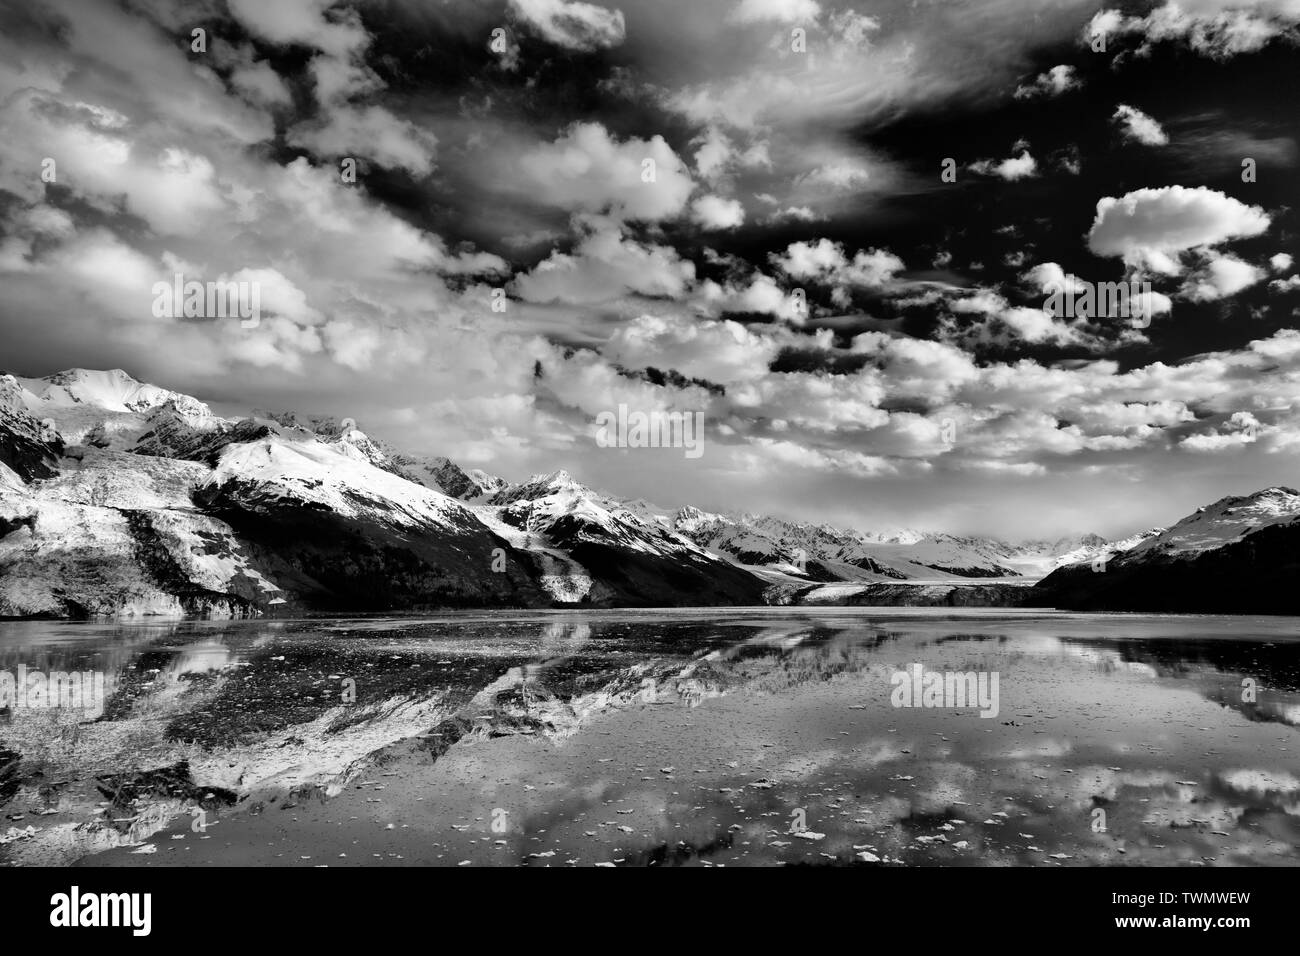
{"x": 715, "y": 737}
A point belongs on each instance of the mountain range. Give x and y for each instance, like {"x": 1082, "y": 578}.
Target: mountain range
{"x": 120, "y": 498}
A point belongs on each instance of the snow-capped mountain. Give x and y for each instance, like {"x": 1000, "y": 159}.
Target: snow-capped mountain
{"x": 438, "y": 473}
{"x": 744, "y": 542}
{"x": 449, "y": 478}
{"x": 1238, "y": 554}
{"x": 118, "y": 497}
{"x": 1039, "y": 558}
{"x": 826, "y": 553}
{"x": 105, "y": 391}
{"x": 601, "y": 532}
{"x": 1226, "y": 521}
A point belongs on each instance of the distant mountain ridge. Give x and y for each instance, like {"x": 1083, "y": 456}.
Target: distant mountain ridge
{"x": 123, "y": 498}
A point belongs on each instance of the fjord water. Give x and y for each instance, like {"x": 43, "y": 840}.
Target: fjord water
{"x": 713, "y": 737}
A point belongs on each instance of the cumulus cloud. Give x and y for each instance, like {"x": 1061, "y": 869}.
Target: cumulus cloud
{"x": 998, "y": 323}
{"x": 715, "y": 212}
{"x": 714, "y": 153}
{"x": 716, "y": 351}
{"x": 1037, "y": 326}
{"x": 826, "y": 261}
{"x": 1050, "y": 279}
{"x": 343, "y": 125}
{"x": 1010, "y": 169}
{"x": 1239, "y": 428}
{"x": 759, "y": 294}
{"x": 1153, "y": 226}
{"x": 588, "y": 170}
{"x": 260, "y": 83}
{"x": 1220, "y": 276}
{"x": 1215, "y": 28}
{"x": 780, "y": 11}
{"x": 1138, "y": 127}
{"x": 572, "y": 24}
{"x": 1047, "y": 276}
{"x": 1057, "y": 80}
{"x": 314, "y": 23}
{"x": 605, "y": 265}
{"x": 173, "y": 189}
{"x": 372, "y": 134}
{"x": 278, "y": 295}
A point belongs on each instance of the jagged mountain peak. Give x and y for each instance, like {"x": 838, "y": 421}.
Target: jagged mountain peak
{"x": 111, "y": 390}
{"x": 285, "y": 419}
{"x": 555, "y": 479}
{"x": 690, "y": 518}
{"x": 445, "y": 475}
{"x": 543, "y": 486}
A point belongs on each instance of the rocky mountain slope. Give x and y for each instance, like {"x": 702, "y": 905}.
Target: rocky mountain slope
{"x": 119, "y": 498}
{"x": 1239, "y": 554}
{"x": 639, "y": 556}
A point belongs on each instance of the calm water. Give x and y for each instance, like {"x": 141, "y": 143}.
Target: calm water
{"x": 752, "y": 736}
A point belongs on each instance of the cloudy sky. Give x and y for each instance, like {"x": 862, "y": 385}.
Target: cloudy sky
{"x": 799, "y": 151}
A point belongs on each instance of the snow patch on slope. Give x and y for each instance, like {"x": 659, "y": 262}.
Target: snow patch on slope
{"x": 1227, "y": 520}
{"x": 564, "y": 579}
{"x": 321, "y": 475}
